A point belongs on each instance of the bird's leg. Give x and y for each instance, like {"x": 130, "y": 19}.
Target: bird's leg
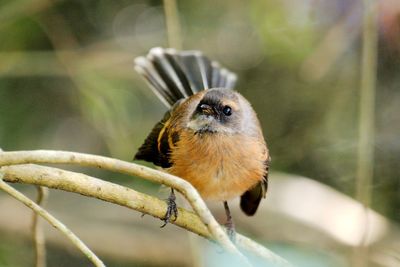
{"x": 172, "y": 210}
{"x": 230, "y": 226}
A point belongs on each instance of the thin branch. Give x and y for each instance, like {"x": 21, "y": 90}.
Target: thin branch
{"x": 253, "y": 247}
{"x": 53, "y": 221}
{"x": 366, "y": 128}
{"x": 115, "y": 165}
{"x": 173, "y": 26}
{"x": 92, "y": 187}
{"x": 367, "y": 103}
{"x": 103, "y": 190}
{"x": 37, "y": 229}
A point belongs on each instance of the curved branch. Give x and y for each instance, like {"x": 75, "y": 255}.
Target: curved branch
{"x": 37, "y": 230}
{"x": 53, "y": 221}
{"x": 92, "y": 187}
{"x": 115, "y": 165}
{"x": 117, "y": 194}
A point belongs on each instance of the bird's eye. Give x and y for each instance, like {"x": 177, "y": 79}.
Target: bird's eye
{"x": 227, "y": 110}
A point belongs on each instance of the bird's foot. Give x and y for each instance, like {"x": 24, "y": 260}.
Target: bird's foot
{"x": 230, "y": 226}
{"x": 230, "y": 230}
{"x": 172, "y": 210}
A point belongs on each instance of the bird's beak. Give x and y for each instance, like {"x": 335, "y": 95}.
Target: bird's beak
{"x": 207, "y": 109}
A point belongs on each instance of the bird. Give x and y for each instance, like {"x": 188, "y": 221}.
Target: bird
{"x": 210, "y": 136}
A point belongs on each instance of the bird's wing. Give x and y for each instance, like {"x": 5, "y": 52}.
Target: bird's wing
{"x": 158, "y": 144}
{"x": 251, "y": 199}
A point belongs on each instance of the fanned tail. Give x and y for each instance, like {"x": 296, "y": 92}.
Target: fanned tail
{"x": 173, "y": 74}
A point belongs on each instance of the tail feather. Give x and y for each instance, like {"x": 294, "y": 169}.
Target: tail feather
{"x": 222, "y": 74}
{"x": 216, "y": 76}
{"x": 174, "y": 61}
{"x": 156, "y": 83}
{"x": 230, "y": 80}
{"x": 173, "y": 75}
{"x": 194, "y": 69}
{"x": 166, "y": 70}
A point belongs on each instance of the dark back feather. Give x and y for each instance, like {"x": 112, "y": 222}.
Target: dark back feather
{"x": 155, "y": 148}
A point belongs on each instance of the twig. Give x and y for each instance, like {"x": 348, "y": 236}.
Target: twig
{"x": 37, "y": 230}
{"x": 367, "y": 104}
{"x": 80, "y": 183}
{"x": 103, "y": 190}
{"x": 173, "y": 26}
{"x": 53, "y": 221}
{"x": 367, "y": 118}
{"x": 115, "y": 165}
{"x": 253, "y": 247}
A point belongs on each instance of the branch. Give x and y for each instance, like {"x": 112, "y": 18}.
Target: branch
{"x": 115, "y": 165}
{"x": 173, "y": 26}
{"x": 37, "y": 230}
{"x": 366, "y": 123}
{"x": 93, "y": 187}
{"x": 53, "y": 221}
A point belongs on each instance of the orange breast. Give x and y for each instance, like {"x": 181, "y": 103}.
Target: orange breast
{"x": 219, "y": 166}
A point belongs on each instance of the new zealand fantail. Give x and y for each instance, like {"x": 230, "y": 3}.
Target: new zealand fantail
{"x": 210, "y": 136}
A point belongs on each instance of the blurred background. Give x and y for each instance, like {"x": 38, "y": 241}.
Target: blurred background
{"x": 67, "y": 83}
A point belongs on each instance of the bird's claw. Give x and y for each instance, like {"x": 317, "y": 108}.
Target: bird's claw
{"x": 172, "y": 210}
{"x": 230, "y": 226}
{"x": 230, "y": 231}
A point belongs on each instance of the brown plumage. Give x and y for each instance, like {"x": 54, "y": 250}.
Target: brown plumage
{"x": 210, "y": 137}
